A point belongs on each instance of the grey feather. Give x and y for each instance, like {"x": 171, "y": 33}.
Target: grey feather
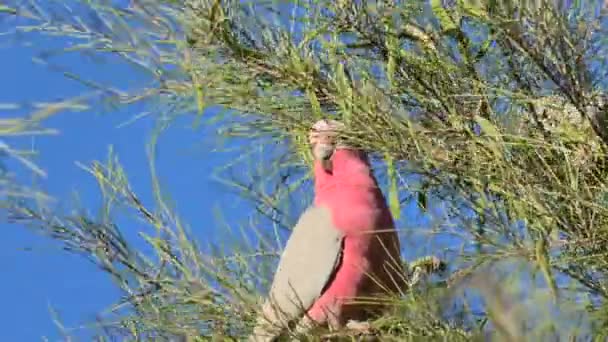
{"x": 309, "y": 260}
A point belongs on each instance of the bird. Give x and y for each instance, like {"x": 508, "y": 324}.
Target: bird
{"x": 343, "y": 247}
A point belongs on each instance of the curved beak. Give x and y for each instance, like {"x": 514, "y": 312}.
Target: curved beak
{"x": 322, "y": 139}
{"x": 323, "y": 153}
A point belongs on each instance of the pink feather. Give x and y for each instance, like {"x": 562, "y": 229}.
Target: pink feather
{"x": 358, "y": 208}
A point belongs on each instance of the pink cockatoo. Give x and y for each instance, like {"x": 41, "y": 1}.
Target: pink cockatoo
{"x": 343, "y": 247}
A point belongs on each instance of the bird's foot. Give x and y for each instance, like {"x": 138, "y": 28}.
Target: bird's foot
{"x": 360, "y": 327}
{"x": 428, "y": 264}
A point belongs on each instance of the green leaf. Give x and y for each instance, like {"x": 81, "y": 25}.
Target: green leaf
{"x": 200, "y": 102}
{"x": 344, "y": 101}
{"x": 475, "y": 9}
{"x": 393, "y": 191}
{"x": 6, "y": 9}
{"x": 542, "y": 258}
{"x": 447, "y": 24}
{"x": 487, "y": 127}
{"x": 392, "y": 45}
{"x": 314, "y": 103}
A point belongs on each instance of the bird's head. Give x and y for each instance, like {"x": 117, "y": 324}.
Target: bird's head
{"x": 323, "y": 140}
{"x": 341, "y": 170}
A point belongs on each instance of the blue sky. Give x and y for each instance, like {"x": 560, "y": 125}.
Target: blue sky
{"x": 38, "y": 274}
{"x": 44, "y": 275}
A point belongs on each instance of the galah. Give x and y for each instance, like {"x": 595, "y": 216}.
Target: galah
{"x": 342, "y": 248}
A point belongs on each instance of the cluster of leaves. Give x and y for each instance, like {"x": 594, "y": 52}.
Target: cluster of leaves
{"x": 12, "y": 128}
{"x": 490, "y": 112}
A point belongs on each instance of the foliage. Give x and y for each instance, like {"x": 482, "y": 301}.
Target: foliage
{"x": 491, "y": 116}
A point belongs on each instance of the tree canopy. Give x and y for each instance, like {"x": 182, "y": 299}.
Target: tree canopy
{"x": 489, "y": 116}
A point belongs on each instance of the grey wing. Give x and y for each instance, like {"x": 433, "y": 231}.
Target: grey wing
{"x": 308, "y": 262}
